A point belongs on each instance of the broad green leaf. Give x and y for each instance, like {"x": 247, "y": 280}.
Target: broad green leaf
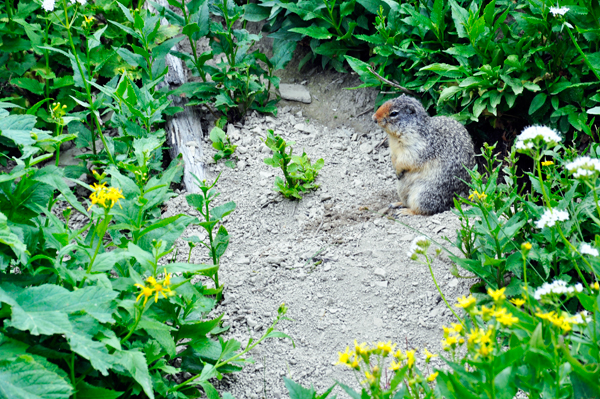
{"x": 255, "y": 13}
{"x": 87, "y": 391}
{"x": 25, "y": 378}
{"x": 160, "y": 332}
{"x": 53, "y": 176}
{"x": 197, "y": 330}
{"x": 537, "y": 102}
{"x": 283, "y": 50}
{"x": 7, "y": 237}
{"x": 29, "y": 84}
{"x": 134, "y": 362}
{"x": 219, "y": 212}
{"x": 18, "y": 128}
{"x": 316, "y": 32}
{"x": 362, "y": 69}
{"x": 80, "y": 339}
{"x": 448, "y": 93}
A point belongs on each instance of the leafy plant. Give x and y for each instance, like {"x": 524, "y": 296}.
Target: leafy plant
{"x": 504, "y": 63}
{"x": 217, "y": 243}
{"x": 495, "y": 225}
{"x": 298, "y": 172}
{"x": 239, "y": 82}
{"x": 331, "y": 26}
{"x": 297, "y": 391}
{"x": 221, "y": 142}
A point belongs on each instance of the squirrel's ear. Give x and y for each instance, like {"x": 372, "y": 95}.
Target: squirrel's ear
{"x": 411, "y": 109}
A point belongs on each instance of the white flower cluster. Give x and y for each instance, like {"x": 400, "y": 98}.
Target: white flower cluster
{"x": 588, "y": 249}
{"x": 417, "y": 246}
{"x": 584, "y": 167}
{"x": 558, "y": 287}
{"x": 558, "y": 11}
{"x": 526, "y": 140}
{"x": 550, "y": 217}
{"x": 49, "y": 5}
{"x": 579, "y": 318}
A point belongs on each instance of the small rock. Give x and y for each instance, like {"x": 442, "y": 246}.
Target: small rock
{"x": 438, "y": 229}
{"x": 434, "y": 312}
{"x": 366, "y": 148}
{"x": 407, "y": 237}
{"x": 275, "y": 260}
{"x": 250, "y": 322}
{"x": 304, "y": 128}
{"x": 241, "y": 165}
{"x": 327, "y": 268}
{"x": 295, "y": 93}
{"x": 242, "y": 261}
{"x": 382, "y": 284}
{"x": 453, "y": 283}
{"x": 379, "y": 272}
{"x": 378, "y": 322}
{"x": 325, "y": 197}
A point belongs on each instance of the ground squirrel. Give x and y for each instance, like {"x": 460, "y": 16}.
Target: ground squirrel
{"x": 429, "y": 155}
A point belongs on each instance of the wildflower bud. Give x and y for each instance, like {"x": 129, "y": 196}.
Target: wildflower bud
{"x": 282, "y": 310}
{"x": 34, "y": 136}
{"x": 526, "y": 247}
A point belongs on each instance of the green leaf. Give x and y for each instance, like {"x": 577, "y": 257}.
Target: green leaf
{"x": 448, "y": 93}
{"x": 29, "y": 84}
{"x": 594, "y": 111}
{"x": 87, "y": 391}
{"x": 316, "y": 32}
{"x": 283, "y": 50}
{"x": 134, "y": 362}
{"x": 255, "y": 13}
{"x": 219, "y": 212}
{"x": 53, "y": 176}
{"x": 202, "y": 269}
{"x": 80, "y": 339}
{"x": 297, "y": 391}
{"x": 25, "y": 378}
{"x": 18, "y": 128}
{"x": 160, "y": 332}
{"x": 537, "y": 102}
{"x": 199, "y": 329}
{"x": 7, "y": 237}
{"x": 362, "y": 69}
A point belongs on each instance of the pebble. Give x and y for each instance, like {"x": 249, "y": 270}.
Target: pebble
{"x": 379, "y": 272}
{"x": 382, "y": 284}
{"x": 366, "y": 148}
{"x": 378, "y": 322}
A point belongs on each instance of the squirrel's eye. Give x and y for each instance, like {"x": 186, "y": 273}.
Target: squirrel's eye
{"x": 394, "y": 113}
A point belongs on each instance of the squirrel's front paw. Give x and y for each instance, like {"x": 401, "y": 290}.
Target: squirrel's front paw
{"x": 396, "y": 205}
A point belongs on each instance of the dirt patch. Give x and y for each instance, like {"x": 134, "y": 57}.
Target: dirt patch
{"x": 342, "y": 271}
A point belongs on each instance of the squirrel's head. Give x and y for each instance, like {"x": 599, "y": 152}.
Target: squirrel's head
{"x": 401, "y": 116}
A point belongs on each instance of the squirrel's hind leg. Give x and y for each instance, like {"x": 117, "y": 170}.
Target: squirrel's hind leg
{"x": 396, "y": 205}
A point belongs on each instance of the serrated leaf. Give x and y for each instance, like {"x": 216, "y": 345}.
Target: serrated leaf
{"x": 26, "y": 378}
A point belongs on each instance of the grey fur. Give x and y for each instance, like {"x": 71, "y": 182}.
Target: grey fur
{"x": 438, "y": 148}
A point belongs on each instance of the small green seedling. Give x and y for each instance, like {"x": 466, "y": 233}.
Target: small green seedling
{"x": 298, "y": 172}
{"x": 221, "y": 143}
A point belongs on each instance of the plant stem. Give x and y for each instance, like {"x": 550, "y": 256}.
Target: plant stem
{"x": 582, "y": 53}
{"x": 223, "y": 362}
{"x": 440, "y": 291}
{"x": 575, "y": 263}
{"x": 138, "y": 317}
{"x": 103, "y": 227}
{"x": 73, "y": 380}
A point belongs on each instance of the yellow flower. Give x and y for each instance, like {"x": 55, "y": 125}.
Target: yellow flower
{"x": 370, "y": 378}
{"x": 498, "y": 294}
{"x": 344, "y": 357}
{"x": 526, "y": 246}
{"x": 386, "y": 348}
{"x": 354, "y": 363}
{"x": 361, "y": 349}
{"x": 485, "y": 350}
{"x": 450, "y": 341}
{"x": 547, "y": 163}
{"x": 114, "y": 195}
{"x": 433, "y": 376}
{"x": 474, "y": 336}
{"x": 146, "y": 292}
{"x": 518, "y": 302}
{"x": 457, "y": 327}
{"x": 486, "y": 312}
{"x": 546, "y": 316}
{"x": 159, "y": 289}
{"x": 461, "y": 341}
{"x": 167, "y": 281}
{"x": 485, "y": 338}
{"x": 88, "y": 19}
{"x": 410, "y": 358}
{"x": 596, "y": 286}
{"x": 399, "y": 355}
{"x": 101, "y": 194}
{"x": 466, "y": 302}
{"x": 478, "y": 195}
{"x": 395, "y": 366}
{"x": 428, "y": 355}
{"x": 151, "y": 280}
{"x": 507, "y": 319}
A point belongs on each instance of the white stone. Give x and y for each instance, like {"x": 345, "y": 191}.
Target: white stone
{"x": 294, "y": 92}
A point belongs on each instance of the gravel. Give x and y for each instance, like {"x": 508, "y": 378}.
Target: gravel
{"x": 341, "y": 269}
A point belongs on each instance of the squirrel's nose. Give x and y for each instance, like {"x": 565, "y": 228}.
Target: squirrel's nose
{"x": 374, "y": 117}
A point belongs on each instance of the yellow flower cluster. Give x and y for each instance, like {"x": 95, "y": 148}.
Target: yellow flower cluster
{"x": 361, "y": 356}
{"x": 478, "y": 195}
{"x": 564, "y": 321}
{"x": 452, "y": 336}
{"x": 104, "y": 196}
{"x": 154, "y": 287}
{"x": 547, "y": 163}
